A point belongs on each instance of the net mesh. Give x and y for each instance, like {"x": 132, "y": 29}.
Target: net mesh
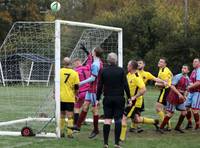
{"x": 27, "y": 69}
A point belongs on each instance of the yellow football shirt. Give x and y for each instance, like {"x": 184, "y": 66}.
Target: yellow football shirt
{"x": 68, "y": 79}
{"x": 165, "y": 74}
{"x": 146, "y": 76}
{"x": 135, "y": 83}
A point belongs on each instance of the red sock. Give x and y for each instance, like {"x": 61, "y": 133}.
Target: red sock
{"x": 189, "y": 117}
{"x": 196, "y": 118}
{"x": 165, "y": 121}
{"x": 180, "y": 121}
{"x": 95, "y": 123}
{"x": 81, "y": 118}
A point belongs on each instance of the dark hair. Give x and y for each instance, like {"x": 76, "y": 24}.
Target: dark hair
{"x": 197, "y": 58}
{"x": 141, "y": 60}
{"x": 165, "y": 59}
{"x": 187, "y": 66}
{"x": 98, "y": 52}
{"x": 134, "y": 64}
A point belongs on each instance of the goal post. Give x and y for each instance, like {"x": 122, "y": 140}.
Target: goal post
{"x": 37, "y": 104}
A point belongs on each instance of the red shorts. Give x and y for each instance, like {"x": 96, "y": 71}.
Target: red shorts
{"x": 81, "y": 99}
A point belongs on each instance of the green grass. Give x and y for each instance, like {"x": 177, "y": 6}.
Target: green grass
{"x": 148, "y": 139}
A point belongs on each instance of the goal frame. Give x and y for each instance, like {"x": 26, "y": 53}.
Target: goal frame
{"x": 58, "y": 52}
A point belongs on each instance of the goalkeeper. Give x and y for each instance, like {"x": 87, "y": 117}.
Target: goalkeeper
{"x": 84, "y": 73}
{"x": 90, "y": 97}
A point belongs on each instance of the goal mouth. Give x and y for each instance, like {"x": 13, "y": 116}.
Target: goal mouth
{"x": 30, "y": 60}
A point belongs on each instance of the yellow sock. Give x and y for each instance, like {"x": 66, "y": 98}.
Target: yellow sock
{"x": 134, "y": 125}
{"x": 169, "y": 125}
{"x": 62, "y": 124}
{"x": 148, "y": 120}
{"x": 162, "y": 115}
{"x": 70, "y": 123}
{"x": 123, "y": 132}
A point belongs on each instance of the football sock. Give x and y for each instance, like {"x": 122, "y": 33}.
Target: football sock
{"x": 148, "y": 120}
{"x": 164, "y": 122}
{"x": 70, "y": 124}
{"x": 134, "y": 125}
{"x": 180, "y": 121}
{"x": 62, "y": 124}
{"x": 76, "y": 116}
{"x": 81, "y": 118}
{"x": 95, "y": 123}
{"x": 161, "y": 115}
{"x": 106, "y": 131}
{"x": 123, "y": 132}
{"x": 196, "y": 118}
{"x": 189, "y": 117}
{"x": 118, "y": 128}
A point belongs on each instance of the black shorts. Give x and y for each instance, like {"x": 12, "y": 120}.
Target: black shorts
{"x": 163, "y": 96}
{"x": 66, "y": 106}
{"x": 113, "y": 107}
{"x": 142, "y": 108}
{"x": 130, "y": 111}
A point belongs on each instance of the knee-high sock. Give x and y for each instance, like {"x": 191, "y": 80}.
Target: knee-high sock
{"x": 164, "y": 122}
{"x": 134, "y": 125}
{"x": 118, "y": 129}
{"x": 161, "y": 115}
{"x": 148, "y": 120}
{"x": 180, "y": 121}
{"x": 196, "y": 118}
{"x": 76, "y": 116}
{"x": 106, "y": 131}
{"x": 70, "y": 124}
{"x": 81, "y": 118}
{"x": 169, "y": 125}
{"x": 95, "y": 123}
{"x": 189, "y": 117}
{"x": 62, "y": 124}
{"x": 123, "y": 132}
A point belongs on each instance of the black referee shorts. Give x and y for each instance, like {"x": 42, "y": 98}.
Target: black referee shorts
{"x": 67, "y": 106}
{"x": 113, "y": 107}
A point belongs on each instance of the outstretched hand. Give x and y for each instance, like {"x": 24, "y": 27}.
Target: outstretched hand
{"x": 84, "y": 48}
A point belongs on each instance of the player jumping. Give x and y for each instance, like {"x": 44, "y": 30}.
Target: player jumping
{"x": 90, "y": 97}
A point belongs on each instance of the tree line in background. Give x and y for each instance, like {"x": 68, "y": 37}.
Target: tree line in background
{"x": 151, "y": 28}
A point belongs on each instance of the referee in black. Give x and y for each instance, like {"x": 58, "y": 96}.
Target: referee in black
{"x": 112, "y": 83}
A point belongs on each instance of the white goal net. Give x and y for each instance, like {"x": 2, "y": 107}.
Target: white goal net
{"x": 30, "y": 59}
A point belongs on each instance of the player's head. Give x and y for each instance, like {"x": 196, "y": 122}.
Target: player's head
{"x": 185, "y": 69}
{"x": 112, "y": 58}
{"x": 162, "y": 62}
{"x": 141, "y": 64}
{"x": 77, "y": 62}
{"x": 132, "y": 65}
{"x": 196, "y": 63}
{"x": 66, "y": 62}
{"x": 97, "y": 52}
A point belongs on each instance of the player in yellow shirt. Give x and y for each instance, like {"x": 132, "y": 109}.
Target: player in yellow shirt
{"x": 69, "y": 81}
{"x": 166, "y": 75}
{"x": 137, "y": 90}
{"x": 146, "y": 76}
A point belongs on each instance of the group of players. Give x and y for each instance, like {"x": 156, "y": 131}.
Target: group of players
{"x": 82, "y": 85}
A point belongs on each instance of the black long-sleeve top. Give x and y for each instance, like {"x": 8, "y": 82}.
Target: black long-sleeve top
{"x": 113, "y": 82}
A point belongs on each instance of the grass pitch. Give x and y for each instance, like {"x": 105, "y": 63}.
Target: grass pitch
{"x": 148, "y": 139}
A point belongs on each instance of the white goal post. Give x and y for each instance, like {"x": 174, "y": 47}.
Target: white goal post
{"x": 44, "y": 44}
